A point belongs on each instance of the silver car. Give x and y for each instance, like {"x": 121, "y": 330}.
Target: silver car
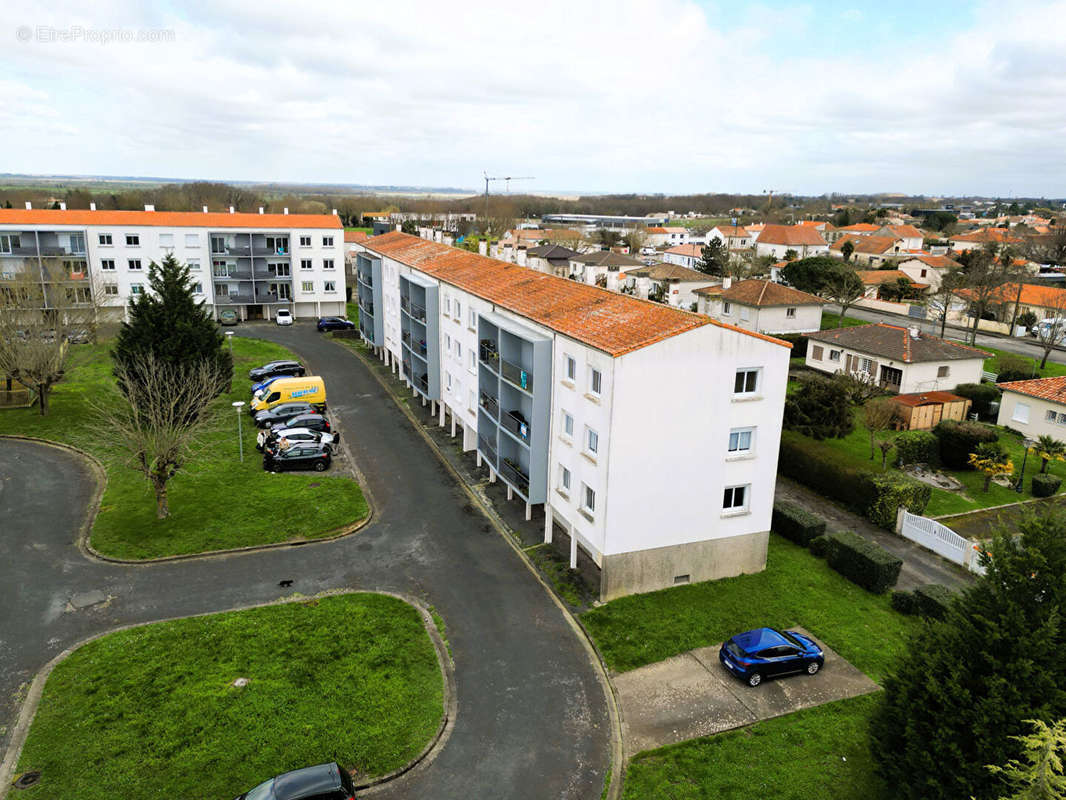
{"x": 293, "y": 435}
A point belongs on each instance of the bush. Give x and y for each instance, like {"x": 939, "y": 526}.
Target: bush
{"x": 862, "y": 562}
{"x": 892, "y": 490}
{"x": 904, "y": 602}
{"x": 819, "y": 546}
{"x": 959, "y": 439}
{"x": 1015, "y": 368}
{"x": 798, "y": 342}
{"x": 796, "y": 523}
{"x": 917, "y": 447}
{"x": 981, "y": 396}
{"x": 1045, "y": 485}
{"x": 933, "y": 600}
{"x": 821, "y": 409}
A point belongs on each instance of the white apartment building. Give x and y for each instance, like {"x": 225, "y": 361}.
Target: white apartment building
{"x": 253, "y": 264}
{"x": 648, "y": 435}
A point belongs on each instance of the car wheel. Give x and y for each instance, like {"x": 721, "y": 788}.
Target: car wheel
{"x": 320, "y": 466}
{"x": 754, "y": 679}
{"x": 813, "y": 668}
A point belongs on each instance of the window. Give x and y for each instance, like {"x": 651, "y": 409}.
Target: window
{"x": 198, "y": 288}
{"x": 473, "y": 400}
{"x": 595, "y": 380}
{"x": 136, "y": 288}
{"x": 568, "y": 425}
{"x": 592, "y": 441}
{"x": 790, "y": 313}
{"x": 9, "y": 241}
{"x": 133, "y": 240}
{"x": 740, "y": 440}
{"x": 193, "y": 264}
{"x": 571, "y": 369}
{"x": 218, "y": 244}
{"x": 834, "y": 355}
{"x": 924, "y": 272}
{"x": 942, "y": 372}
{"x": 1050, "y": 416}
{"x": 727, "y": 308}
{"x": 307, "y": 286}
{"x": 473, "y": 320}
{"x": 447, "y": 343}
{"x": 107, "y": 264}
{"x": 327, "y": 263}
{"x": 1021, "y": 413}
{"x": 816, "y": 352}
{"x": 111, "y": 290}
{"x": 327, "y": 241}
{"x": 192, "y": 240}
{"x": 448, "y": 380}
{"x": 305, "y": 263}
{"x": 588, "y": 499}
{"x": 134, "y": 263}
{"x": 745, "y": 313}
{"x": 447, "y": 306}
{"x": 105, "y": 240}
{"x": 458, "y": 350}
{"x": 735, "y": 498}
{"x": 166, "y": 240}
{"x": 1062, "y": 419}
{"x": 471, "y": 356}
{"x": 329, "y": 286}
{"x": 564, "y": 478}
{"x": 866, "y": 365}
{"x": 305, "y": 241}
{"x": 458, "y": 310}
{"x": 220, "y": 269}
{"x": 746, "y": 381}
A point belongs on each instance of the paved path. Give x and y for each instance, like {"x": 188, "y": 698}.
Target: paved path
{"x": 920, "y": 566}
{"x": 532, "y": 719}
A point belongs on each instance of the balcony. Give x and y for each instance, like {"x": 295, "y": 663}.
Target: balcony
{"x": 239, "y": 250}
{"x": 516, "y": 375}
{"x": 55, "y": 250}
{"x": 367, "y": 306}
{"x": 21, "y": 250}
{"x": 487, "y": 449}
{"x": 267, "y": 275}
{"x": 488, "y": 355}
{"x": 263, "y": 250}
{"x": 422, "y": 382}
{"x": 235, "y": 298}
{"x": 512, "y": 473}
{"x": 405, "y": 337}
{"x": 233, "y": 275}
{"x": 514, "y": 423}
{"x": 367, "y": 279}
{"x": 405, "y": 304}
{"x": 418, "y": 312}
{"x": 492, "y": 408}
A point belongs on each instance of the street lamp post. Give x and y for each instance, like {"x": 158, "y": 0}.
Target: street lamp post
{"x": 1026, "y": 443}
{"x": 237, "y": 404}
{"x": 229, "y": 338}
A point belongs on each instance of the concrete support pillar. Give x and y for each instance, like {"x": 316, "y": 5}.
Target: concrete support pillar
{"x": 479, "y": 459}
{"x": 443, "y": 411}
{"x": 453, "y": 424}
{"x": 573, "y": 548}
{"x": 423, "y": 401}
{"x": 510, "y": 492}
{"x": 492, "y": 475}
{"x": 432, "y": 407}
{"x": 529, "y": 512}
{"x": 549, "y": 524}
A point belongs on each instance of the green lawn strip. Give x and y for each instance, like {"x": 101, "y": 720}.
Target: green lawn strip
{"x": 830, "y": 320}
{"x": 795, "y": 589}
{"x": 1050, "y": 370}
{"x": 150, "y": 712}
{"x": 367, "y": 231}
{"x": 982, "y": 524}
{"x": 817, "y": 752}
{"x": 219, "y": 503}
{"x": 352, "y": 312}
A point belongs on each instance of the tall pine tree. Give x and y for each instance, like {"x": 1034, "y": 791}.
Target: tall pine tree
{"x": 714, "y": 258}
{"x": 168, "y": 323}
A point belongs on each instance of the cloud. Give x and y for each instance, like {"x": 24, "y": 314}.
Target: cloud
{"x": 645, "y": 95}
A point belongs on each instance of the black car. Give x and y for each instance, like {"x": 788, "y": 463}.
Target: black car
{"x": 316, "y": 422}
{"x": 276, "y": 368}
{"x": 298, "y": 456}
{"x": 335, "y": 324}
{"x": 282, "y": 412}
{"x": 324, "y": 782}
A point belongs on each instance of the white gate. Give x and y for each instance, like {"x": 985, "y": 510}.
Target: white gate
{"x": 941, "y": 539}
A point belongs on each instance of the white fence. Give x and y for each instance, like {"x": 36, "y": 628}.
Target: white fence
{"x": 939, "y": 538}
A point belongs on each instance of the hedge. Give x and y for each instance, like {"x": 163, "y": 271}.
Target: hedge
{"x": 904, "y": 602}
{"x": 917, "y": 447}
{"x": 959, "y": 439}
{"x": 863, "y": 562}
{"x": 981, "y": 396}
{"x": 819, "y": 546}
{"x": 1045, "y": 485}
{"x": 798, "y": 342}
{"x": 892, "y": 490}
{"x": 796, "y": 523}
{"x": 933, "y": 600}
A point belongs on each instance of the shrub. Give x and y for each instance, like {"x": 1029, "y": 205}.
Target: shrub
{"x": 904, "y": 602}
{"x": 821, "y": 409}
{"x": 892, "y": 490}
{"x": 798, "y": 342}
{"x": 1045, "y": 485}
{"x": 981, "y": 396}
{"x": 1015, "y": 368}
{"x": 933, "y": 600}
{"x": 917, "y": 447}
{"x": 862, "y": 562}
{"x": 796, "y": 523}
{"x": 818, "y": 546}
{"x": 959, "y": 439}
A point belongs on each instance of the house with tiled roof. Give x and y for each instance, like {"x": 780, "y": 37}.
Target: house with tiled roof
{"x": 927, "y": 268}
{"x": 553, "y": 259}
{"x": 684, "y": 255}
{"x": 884, "y": 284}
{"x": 734, "y": 237}
{"x": 898, "y": 359}
{"x": 909, "y": 236}
{"x": 548, "y": 383}
{"x": 595, "y": 267}
{"x": 1035, "y": 407}
{"x": 977, "y": 239}
{"x": 776, "y": 241}
{"x": 763, "y": 306}
{"x": 672, "y": 282}
{"x": 868, "y": 250}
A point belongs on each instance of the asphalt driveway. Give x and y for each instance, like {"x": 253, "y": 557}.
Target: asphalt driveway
{"x": 532, "y": 719}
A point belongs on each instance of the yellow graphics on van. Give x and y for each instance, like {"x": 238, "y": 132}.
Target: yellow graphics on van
{"x": 309, "y": 389}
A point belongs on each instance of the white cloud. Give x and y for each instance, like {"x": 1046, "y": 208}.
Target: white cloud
{"x": 648, "y": 95}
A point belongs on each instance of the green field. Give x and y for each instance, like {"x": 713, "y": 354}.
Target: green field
{"x": 833, "y": 321}
{"x": 152, "y": 711}
{"x": 219, "y": 502}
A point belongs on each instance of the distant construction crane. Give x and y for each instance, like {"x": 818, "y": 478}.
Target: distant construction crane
{"x": 508, "y": 180}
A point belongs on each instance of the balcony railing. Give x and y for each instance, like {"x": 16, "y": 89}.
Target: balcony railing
{"x": 405, "y": 304}
{"x": 420, "y": 347}
{"x": 234, "y": 298}
{"x": 488, "y": 355}
{"x": 263, "y": 250}
{"x": 21, "y": 250}
{"x": 418, "y": 312}
{"x": 367, "y": 306}
{"x": 515, "y": 423}
{"x": 405, "y": 337}
{"x": 231, "y": 250}
{"x": 266, "y": 275}
{"x": 233, "y": 275}
{"x": 51, "y": 250}
{"x": 511, "y": 473}
{"x": 422, "y": 382}
{"x": 516, "y": 375}
{"x": 365, "y": 278}
{"x": 486, "y": 448}
{"x": 490, "y": 405}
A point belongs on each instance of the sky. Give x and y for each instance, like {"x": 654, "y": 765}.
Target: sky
{"x": 670, "y": 96}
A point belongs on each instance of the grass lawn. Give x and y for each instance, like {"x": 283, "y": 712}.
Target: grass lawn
{"x": 833, "y": 321}
{"x": 352, "y": 312}
{"x": 367, "y": 231}
{"x": 1050, "y": 370}
{"x": 150, "y": 712}
{"x": 219, "y": 503}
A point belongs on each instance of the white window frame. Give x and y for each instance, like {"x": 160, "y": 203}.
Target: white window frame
{"x": 105, "y": 240}
{"x": 595, "y": 376}
{"x": 591, "y": 442}
{"x": 328, "y": 263}
{"x": 307, "y": 286}
{"x": 329, "y": 287}
{"x": 306, "y": 263}
{"x": 193, "y": 264}
{"x": 790, "y": 313}
{"x": 327, "y": 241}
{"x": 745, "y": 392}
{"x": 472, "y": 324}
{"x": 565, "y": 479}
{"x": 569, "y": 369}
{"x": 192, "y": 240}
{"x": 1021, "y": 413}
{"x": 166, "y": 240}
{"x": 133, "y": 240}
{"x": 729, "y": 496}
{"x": 107, "y": 264}
{"x": 727, "y": 308}
{"x": 136, "y": 288}
{"x": 131, "y": 261}
{"x": 834, "y": 355}
{"x": 588, "y": 499}
{"x": 305, "y": 241}
{"x": 458, "y": 310}
{"x": 739, "y": 434}
{"x": 111, "y": 290}
{"x": 566, "y": 422}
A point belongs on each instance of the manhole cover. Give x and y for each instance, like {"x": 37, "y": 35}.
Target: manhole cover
{"x": 26, "y": 780}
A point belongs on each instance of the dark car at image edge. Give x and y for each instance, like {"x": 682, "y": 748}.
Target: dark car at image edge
{"x": 271, "y": 368}
{"x": 298, "y": 456}
{"x": 322, "y": 782}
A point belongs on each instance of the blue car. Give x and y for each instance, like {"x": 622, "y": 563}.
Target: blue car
{"x": 264, "y": 384}
{"x": 768, "y": 653}
{"x": 335, "y": 324}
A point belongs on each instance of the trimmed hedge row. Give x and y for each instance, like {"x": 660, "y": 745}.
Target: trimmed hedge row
{"x": 931, "y": 600}
{"x": 863, "y": 562}
{"x": 959, "y": 439}
{"x": 917, "y": 447}
{"x": 1045, "y": 485}
{"x": 796, "y": 523}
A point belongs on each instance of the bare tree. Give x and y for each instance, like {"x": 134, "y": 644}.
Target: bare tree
{"x": 1052, "y": 334}
{"x": 156, "y": 421}
{"x": 986, "y": 276}
{"x": 843, "y": 286}
{"x": 950, "y": 283}
{"x": 877, "y": 416}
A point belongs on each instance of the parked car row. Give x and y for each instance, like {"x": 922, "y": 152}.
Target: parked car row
{"x": 289, "y": 408}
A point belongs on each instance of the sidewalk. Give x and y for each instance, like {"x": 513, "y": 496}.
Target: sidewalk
{"x": 920, "y": 566}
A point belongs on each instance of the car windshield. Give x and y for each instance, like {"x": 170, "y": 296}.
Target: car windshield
{"x": 734, "y": 650}
{"x": 264, "y": 791}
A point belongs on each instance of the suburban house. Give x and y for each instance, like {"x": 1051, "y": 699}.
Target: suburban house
{"x": 676, "y": 284}
{"x": 776, "y": 240}
{"x": 684, "y": 255}
{"x": 973, "y": 241}
{"x": 868, "y": 250}
{"x": 593, "y": 267}
{"x": 925, "y": 268}
{"x": 550, "y": 382}
{"x": 763, "y": 306}
{"x": 656, "y": 236}
{"x": 252, "y": 264}
{"x": 734, "y": 237}
{"x": 1036, "y": 407}
{"x": 858, "y": 229}
{"x": 883, "y": 284}
{"x": 897, "y": 359}
{"x": 909, "y": 237}
{"x": 1014, "y": 299}
{"x": 553, "y": 259}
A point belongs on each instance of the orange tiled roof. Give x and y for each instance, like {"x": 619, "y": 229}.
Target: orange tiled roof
{"x": 926, "y": 398}
{"x": 998, "y": 235}
{"x": 1053, "y": 389}
{"x": 356, "y": 236}
{"x": 657, "y": 229}
{"x": 860, "y": 227}
{"x": 906, "y": 231}
{"x": 877, "y": 277}
{"x": 867, "y": 245}
{"x": 813, "y": 223}
{"x": 1031, "y": 295}
{"x": 790, "y": 235}
{"x": 735, "y": 231}
{"x": 695, "y": 250}
{"x": 614, "y": 323}
{"x": 755, "y": 292}
{"x": 165, "y": 219}
{"x": 936, "y": 262}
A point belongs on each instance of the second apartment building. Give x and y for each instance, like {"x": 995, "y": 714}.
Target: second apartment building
{"x": 647, "y": 434}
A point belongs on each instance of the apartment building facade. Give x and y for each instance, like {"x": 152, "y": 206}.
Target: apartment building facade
{"x": 648, "y": 435}
{"x": 253, "y": 264}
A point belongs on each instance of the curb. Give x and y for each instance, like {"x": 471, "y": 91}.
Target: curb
{"x": 449, "y": 705}
{"x": 616, "y": 773}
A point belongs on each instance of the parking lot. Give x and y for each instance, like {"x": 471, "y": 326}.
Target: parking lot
{"x": 692, "y": 695}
